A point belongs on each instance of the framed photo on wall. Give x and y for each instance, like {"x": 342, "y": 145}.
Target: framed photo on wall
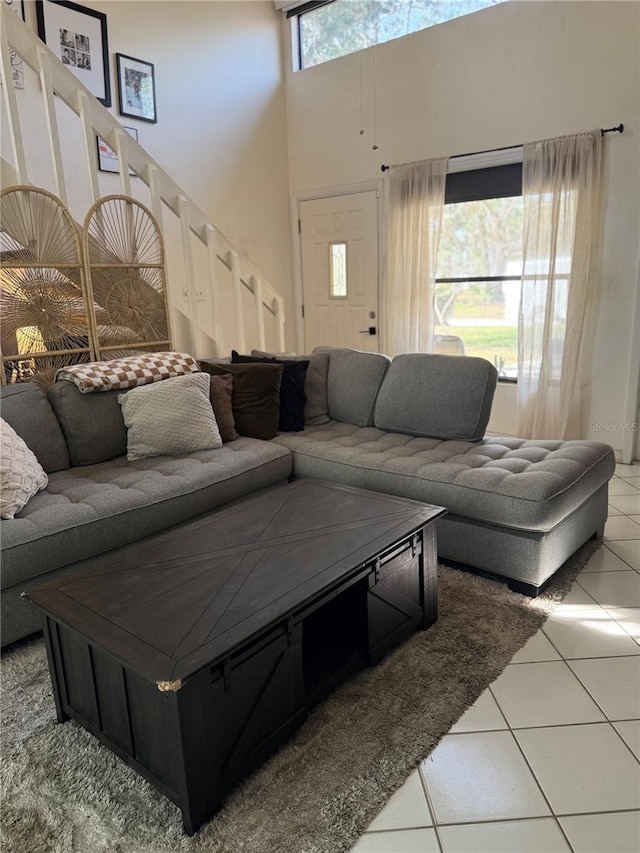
{"x": 78, "y": 37}
{"x": 108, "y": 160}
{"x": 17, "y": 65}
{"x": 136, "y": 88}
{"x": 16, "y": 6}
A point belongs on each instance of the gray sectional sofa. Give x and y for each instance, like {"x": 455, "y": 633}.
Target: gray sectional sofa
{"x": 413, "y": 426}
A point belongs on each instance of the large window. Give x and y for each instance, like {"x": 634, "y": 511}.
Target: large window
{"x": 327, "y": 30}
{"x": 479, "y": 266}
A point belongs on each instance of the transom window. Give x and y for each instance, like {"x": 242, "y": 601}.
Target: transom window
{"x": 328, "y": 29}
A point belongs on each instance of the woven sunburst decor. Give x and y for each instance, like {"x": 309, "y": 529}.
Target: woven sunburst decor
{"x": 126, "y": 276}
{"x": 44, "y": 323}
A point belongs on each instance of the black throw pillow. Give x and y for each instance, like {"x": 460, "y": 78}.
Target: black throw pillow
{"x": 292, "y": 397}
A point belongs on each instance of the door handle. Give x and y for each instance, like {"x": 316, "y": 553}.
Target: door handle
{"x": 370, "y": 331}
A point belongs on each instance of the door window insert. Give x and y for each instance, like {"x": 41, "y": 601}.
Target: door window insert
{"x": 338, "y": 270}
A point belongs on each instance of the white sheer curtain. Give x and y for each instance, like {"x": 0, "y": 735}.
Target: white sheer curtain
{"x": 561, "y": 191}
{"x": 416, "y": 199}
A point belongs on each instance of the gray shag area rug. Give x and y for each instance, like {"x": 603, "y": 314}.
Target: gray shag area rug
{"x": 63, "y": 792}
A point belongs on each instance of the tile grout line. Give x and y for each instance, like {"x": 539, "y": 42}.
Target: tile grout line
{"x": 528, "y": 764}
{"x": 613, "y": 541}
{"x": 586, "y": 591}
{"x": 534, "y": 777}
{"x": 566, "y": 660}
{"x": 611, "y": 551}
{"x": 613, "y": 726}
{"x": 539, "y": 784}
{"x": 564, "y": 725}
{"x": 504, "y": 717}
{"x": 430, "y": 806}
{"x": 489, "y": 821}
{"x": 613, "y": 554}
{"x": 608, "y": 722}
{"x": 593, "y": 657}
{"x": 528, "y": 818}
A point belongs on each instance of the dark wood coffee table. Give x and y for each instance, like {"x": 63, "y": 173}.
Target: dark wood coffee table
{"x": 194, "y": 653}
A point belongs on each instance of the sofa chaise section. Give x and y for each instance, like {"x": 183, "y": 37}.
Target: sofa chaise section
{"x": 516, "y": 507}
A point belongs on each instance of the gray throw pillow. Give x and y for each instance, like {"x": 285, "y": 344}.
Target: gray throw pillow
{"x": 170, "y": 418}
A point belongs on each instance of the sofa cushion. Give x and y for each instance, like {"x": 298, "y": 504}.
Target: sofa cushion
{"x": 86, "y": 511}
{"x": 25, "y": 408}
{"x": 315, "y": 387}
{"x": 92, "y": 423}
{"x": 256, "y": 396}
{"x": 440, "y": 396}
{"x": 292, "y": 396}
{"x": 509, "y": 482}
{"x": 170, "y": 418}
{"x": 21, "y": 475}
{"x": 353, "y": 380}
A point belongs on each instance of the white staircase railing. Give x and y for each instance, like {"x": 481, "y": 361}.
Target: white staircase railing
{"x": 218, "y": 298}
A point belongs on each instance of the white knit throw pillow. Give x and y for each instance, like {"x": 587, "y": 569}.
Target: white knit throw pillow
{"x": 170, "y": 418}
{"x": 21, "y": 475}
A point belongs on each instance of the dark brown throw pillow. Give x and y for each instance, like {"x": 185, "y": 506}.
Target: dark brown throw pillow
{"x": 292, "y": 392}
{"x": 256, "y": 396}
{"x": 220, "y": 394}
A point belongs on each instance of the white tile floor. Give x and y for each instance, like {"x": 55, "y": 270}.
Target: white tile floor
{"x": 548, "y": 758}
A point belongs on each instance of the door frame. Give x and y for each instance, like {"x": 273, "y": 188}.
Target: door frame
{"x": 296, "y": 242}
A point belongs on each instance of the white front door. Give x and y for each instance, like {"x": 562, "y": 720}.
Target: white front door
{"x": 339, "y": 241}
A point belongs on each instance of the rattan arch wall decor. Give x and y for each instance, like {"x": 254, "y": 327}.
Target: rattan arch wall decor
{"x": 126, "y": 276}
{"x": 44, "y": 322}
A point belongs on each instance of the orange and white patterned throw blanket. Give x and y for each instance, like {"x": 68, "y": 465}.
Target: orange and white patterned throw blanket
{"x": 123, "y": 373}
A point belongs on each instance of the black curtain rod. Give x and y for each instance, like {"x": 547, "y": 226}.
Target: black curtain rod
{"x": 618, "y": 129}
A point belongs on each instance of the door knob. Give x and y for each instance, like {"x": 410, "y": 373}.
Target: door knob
{"x": 370, "y": 331}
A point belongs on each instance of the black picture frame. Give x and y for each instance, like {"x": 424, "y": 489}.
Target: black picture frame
{"x": 17, "y": 65}
{"x": 78, "y": 36}
{"x": 108, "y": 160}
{"x": 136, "y": 88}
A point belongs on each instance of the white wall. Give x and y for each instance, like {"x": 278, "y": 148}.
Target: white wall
{"x": 509, "y": 74}
{"x": 221, "y": 130}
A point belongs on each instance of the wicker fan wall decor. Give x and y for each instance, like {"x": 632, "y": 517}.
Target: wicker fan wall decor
{"x": 43, "y": 298}
{"x": 126, "y": 276}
